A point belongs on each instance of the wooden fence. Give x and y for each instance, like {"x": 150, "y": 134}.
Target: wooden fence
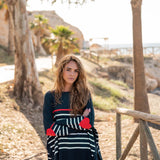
{"x": 142, "y": 129}
{"x": 93, "y": 56}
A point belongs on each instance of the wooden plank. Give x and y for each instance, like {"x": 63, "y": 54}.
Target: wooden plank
{"x": 130, "y": 144}
{"x": 150, "y": 140}
{"x": 118, "y": 136}
{"x": 143, "y": 144}
{"x": 139, "y": 115}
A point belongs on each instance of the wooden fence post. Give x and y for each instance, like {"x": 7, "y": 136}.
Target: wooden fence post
{"x": 143, "y": 144}
{"x": 130, "y": 144}
{"x": 150, "y": 140}
{"x": 118, "y": 136}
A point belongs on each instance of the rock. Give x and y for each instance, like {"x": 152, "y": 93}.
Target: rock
{"x": 152, "y": 70}
{"x": 121, "y": 72}
{"x": 151, "y": 84}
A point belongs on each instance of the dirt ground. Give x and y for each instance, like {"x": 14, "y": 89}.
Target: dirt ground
{"x": 22, "y": 135}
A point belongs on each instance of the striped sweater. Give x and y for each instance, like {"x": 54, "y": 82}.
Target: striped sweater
{"x": 69, "y": 137}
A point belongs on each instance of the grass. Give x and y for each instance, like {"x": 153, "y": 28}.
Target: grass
{"x": 104, "y": 96}
{"x": 104, "y": 89}
{"x": 120, "y": 83}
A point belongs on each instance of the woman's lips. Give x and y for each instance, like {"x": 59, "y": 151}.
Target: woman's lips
{"x": 71, "y": 79}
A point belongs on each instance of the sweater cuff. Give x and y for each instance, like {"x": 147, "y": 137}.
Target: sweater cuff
{"x": 85, "y": 123}
{"x": 50, "y": 131}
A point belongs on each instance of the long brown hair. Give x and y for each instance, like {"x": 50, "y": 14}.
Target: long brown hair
{"x": 80, "y": 92}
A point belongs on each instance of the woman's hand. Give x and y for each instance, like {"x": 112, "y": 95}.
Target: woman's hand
{"x": 86, "y": 112}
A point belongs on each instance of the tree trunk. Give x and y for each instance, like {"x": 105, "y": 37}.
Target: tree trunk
{"x": 39, "y": 49}
{"x": 60, "y": 54}
{"x": 11, "y": 45}
{"x": 140, "y": 93}
{"x": 26, "y": 83}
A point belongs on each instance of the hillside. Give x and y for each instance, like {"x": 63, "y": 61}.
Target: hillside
{"x": 53, "y": 19}
{"x": 21, "y": 129}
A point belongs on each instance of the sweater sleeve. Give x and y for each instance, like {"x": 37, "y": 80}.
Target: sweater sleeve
{"x": 91, "y": 114}
{"x": 47, "y": 111}
{"x": 80, "y": 122}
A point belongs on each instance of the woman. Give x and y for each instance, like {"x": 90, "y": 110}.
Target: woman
{"x": 68, "y": 115}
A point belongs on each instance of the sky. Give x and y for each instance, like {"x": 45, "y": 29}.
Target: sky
{"x": 107, "y": 18}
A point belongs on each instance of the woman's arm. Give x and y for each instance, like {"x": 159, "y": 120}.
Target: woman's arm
{"x": 86, "y": 121}
{"x": 89, "y": 111}
{"x": 47, "y": 111}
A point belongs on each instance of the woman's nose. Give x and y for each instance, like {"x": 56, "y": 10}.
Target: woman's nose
{"x": 72, "y": 73}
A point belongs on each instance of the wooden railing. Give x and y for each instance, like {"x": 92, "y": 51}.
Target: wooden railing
{"x": 142, "y": 129}
{"x": 93, "y": 56}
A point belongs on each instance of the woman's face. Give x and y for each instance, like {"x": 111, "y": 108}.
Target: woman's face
{"x": 70, "y": 73}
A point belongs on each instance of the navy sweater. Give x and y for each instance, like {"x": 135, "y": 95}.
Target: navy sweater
{"x": 69, "y": 136}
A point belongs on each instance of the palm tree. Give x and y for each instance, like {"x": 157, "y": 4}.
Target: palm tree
{"x": 39, "y": 25}
{"x": 64, "y": 43}
{"x": 140, "y": 93}
{"x": 2, "y": 4}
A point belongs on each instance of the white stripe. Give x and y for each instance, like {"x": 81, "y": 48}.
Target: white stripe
{"x": 71, "y": 122}
{"x": 67, "y": 130}
{"x": 90, "y": 134}
{"x": 55, "y": 126}
{"x": 75, "y": 123}
{"x": 62, "y": 138}
{"x": 81, "y": 118}
{"x": 58, "y": 129}
{"x": 92, "y": 150}
{"x": 58, "y": 115}
{"x": 92, "y": 145}
{"x": 54, "y": 149}
{"x": 48, "y": 137}
{"x": 74, "y": 148}
{"x": 59, "y": 132}
{"x": 63, "y": 131}
{"x": 78, "y": 134}
{"x": 67, "y": 121}
{"x": 55, "y": 152}
{"x": 60, "y": 119}
{"x": 78, "y": 119}
{"x": 51, "y": 140}
{"x": 55, "y": 143}
{"x": 73, "y": 143}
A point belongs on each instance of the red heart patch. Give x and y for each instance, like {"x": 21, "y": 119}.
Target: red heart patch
{"x": 85, "y": 123}
{"x": 50, "y": 132}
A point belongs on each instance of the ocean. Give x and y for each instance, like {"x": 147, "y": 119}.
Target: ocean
{"x": 118, "y": 46}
